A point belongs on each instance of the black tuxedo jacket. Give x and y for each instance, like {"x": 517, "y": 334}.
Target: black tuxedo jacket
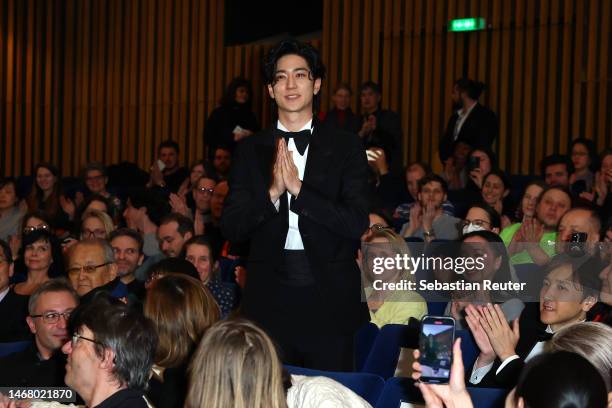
{"x": 333, "y": 214}
{"x": 479, "y": 130}
{"x": 14, "y": 310}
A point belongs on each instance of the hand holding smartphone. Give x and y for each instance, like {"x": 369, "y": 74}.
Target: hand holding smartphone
{"x": 436, "y": 348}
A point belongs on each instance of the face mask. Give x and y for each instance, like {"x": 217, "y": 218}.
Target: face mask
{"x": 471, "y": 228}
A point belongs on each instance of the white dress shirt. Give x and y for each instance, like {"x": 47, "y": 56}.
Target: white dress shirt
{"x": 461, "y": 119}
{"x": 4, "y": 293}
{"x": 294, "y": 238}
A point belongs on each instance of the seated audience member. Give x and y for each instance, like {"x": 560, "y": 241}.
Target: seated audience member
{"x": 578, "y": 220}
{"x": 212, "y": 229}
{"x": 111, "y": 354}
{"x": 196, "y": 171}
{"x": 91, "y": 265}
{"x": 427, "y": 219}
{"x": 495, "y": 190}
{"x": 551, "y": 380}
{"x": 379, "y": 127}
{"x": 527, "y": 207}
{"x": 100, "y": 203}
{"x": 583, "y": 154}
{"x": 46, "y": 196}
{"x": 480, "y": 163}
{"x": 96, "y": 224}
{"x": 42, "y": 363}
{"x": 127, "y": 248}
{"x": 341, "y": 116}
{"x": 385, "y": 188}
{"x": 389, "y": 307}
{"x": 482, "y": 217}
{"x": 237, "y": 365}
{"x": 174, "y": 229}
{"x": 603, "y": 185}
{"x": 202, "y": 195}
{"x": 96, "y": 181}
{"x": 533, "y": 240}
{"x": 557, "y": 170}
{"x": 233, "y": 120}
{"x": 11, "y": 212}
{"x": 13, "y": 307}
{"x": 496, "y": 268}
{"x": 378, "y": 220}
{"x": 591, "y": 340}
{"x": 171, "y": 265}
{"x": 42, "y": 259}
{"x": 570, "y": 289}
{"x": 414, "y": 173}
{"x": 181, "y": 311}
{"x": 170, "y": 175}
{"x": 221, "y": 163}
{"x": 455, "y": 167}
{"x": 31, "y": 221}
{"x": 198, "y": 251}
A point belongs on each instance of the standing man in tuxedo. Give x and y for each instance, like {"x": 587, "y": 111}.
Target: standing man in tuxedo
{"x": 298, "y": 192}
{"x": 471, "y": 123}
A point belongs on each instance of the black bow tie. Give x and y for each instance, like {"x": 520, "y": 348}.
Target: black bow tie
{"x": 543, "y": 335}
{"x": 301, "y": 139}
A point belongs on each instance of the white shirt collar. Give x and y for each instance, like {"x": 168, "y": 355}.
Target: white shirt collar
{"x": 4, "y": 293}
{"x": 550, "y": 330}
{"x": 307, "y": 125}
{"x": 460, "y": 111}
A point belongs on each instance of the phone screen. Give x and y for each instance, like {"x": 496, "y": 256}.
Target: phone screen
{"x": 436, "y": 346}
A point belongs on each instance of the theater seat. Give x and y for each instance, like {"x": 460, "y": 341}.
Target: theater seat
{"x": 385, "y": 352}
{"x": 399, "y": 389}
{"x": 469, "y": 349}
{"x": 367, "y": 386}
{"x": 13, "y": 347}
{"x": 364, "y": 340}
{"x": 487, "y": 397}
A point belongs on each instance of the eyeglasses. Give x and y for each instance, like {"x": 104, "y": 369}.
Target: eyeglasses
{"x": 53, "y": 317}
{"x": 203, "y": 190}
{"x": 97, "y": 233}
{"x": 77, "y": 336}
{"x": 29, "y": 230}
{"x": 378, "y": 227}
{"x": 479, "y": 223}
{"x": 89, "y": 269}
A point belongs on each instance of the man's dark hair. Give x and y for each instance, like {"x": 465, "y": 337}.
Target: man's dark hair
{"x": 130, "y": 233}
{"x": 556, "y": 187}
{"x": 295, "y": 47}
{"x": 472, "y": 88}
{"x": 501, "y": 175}
{"x": 430, "y": 178}
{"x": 493, "y": 215}
{"x": 94, "y": 166}
{"x": 229, "y": 97}
{"x": 7, "y": 254}
{"x": 370, "y": 85}
{"x": 152, "y": 199}
{"x": 345, "y": 86}
{"x": 5, "y": 181}
{"x": 173, "y": 265}
{"x": 51, "y": 286}
{"x": 127, "y": 332}
{"x": 423, "y": 165}
{"x": 168, "y": 143}
{"x": 556, "y": 159}
{"x": 585, "y": 272}
{"x": 185, "y": 224}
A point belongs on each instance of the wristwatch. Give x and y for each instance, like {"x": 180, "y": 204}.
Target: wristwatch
{"x": 428, "y": 234}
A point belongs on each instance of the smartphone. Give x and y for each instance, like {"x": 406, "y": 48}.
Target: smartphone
{"x": 473, "y": 163}
{"x": 161, "y": 165}
{"x": 372, "y": 154}
{"x": 576, "y": 245}
{"x": 436, "y": 347}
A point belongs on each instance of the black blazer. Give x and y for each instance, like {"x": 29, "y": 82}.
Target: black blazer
{"x": 479, "y": 130}
{"x": 14, "y": 310}
{"x": 333, "y": 214}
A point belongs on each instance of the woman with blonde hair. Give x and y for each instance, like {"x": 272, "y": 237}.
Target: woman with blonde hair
{"x": 182, "y": 309}
{"x": 236, "y": 366}
{"x": 96, "y": 224}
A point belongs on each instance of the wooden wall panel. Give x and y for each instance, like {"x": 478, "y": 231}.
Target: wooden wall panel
{"x": 107, "y": 80}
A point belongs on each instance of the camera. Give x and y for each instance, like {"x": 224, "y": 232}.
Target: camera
{"x": 473, "y": 163}
{"x": 577, "y": 243}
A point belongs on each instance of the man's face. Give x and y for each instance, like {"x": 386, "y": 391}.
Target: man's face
{"x": 85, "y": 279}
{"x": 556, "y": 174}
{"x": 133, "y": 216}
{"x": 293, "y": 89}
{"x": 95, "y": 181}
{"x": 6, "y": 271}
{"x": 222, "y": 161}
{"x": 552, "y": 206}
{"x": 170, "y": 239}
{"x": 83, "y": 364}
{"x": 169, "y": 156}
{"x": 127, "y": 255}
{"x": 561, "y": 298}
{"x": 432, "y": 194}
{"x": 342, "y": 99}
{"x": 574, "y": 221}
{"x": 8, "y": 196}
{"x": 369, "y": 100}
{"x": 414, "y": 174}
{"x": 51, "y": 336}
{"x": 202, "y": 193}
{"x": 218, "y": 198}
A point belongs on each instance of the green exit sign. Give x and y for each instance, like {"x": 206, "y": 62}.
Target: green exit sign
{"x": 467, "y": 24}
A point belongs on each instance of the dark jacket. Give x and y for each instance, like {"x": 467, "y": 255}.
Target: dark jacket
{"x": 27, "y": 369}
{"x": 14, "y": 310}
{"x": 126, "y": 398}
{"x": 221, "y": 123}
{"x": 333, "y": 214}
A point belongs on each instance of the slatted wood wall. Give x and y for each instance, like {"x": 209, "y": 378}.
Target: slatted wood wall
{"x": 107, "y": 80}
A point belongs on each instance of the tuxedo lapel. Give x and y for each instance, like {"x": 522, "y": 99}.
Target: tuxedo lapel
{"x": 319, "y": 156}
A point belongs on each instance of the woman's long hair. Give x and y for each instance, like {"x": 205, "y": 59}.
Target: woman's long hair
{"x": 236, "y": 366}
{"x": 36, "y": 199}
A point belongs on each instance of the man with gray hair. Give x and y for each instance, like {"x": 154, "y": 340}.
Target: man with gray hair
{"x": 42, "y": 363}
{"x": 91, "y": 265}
